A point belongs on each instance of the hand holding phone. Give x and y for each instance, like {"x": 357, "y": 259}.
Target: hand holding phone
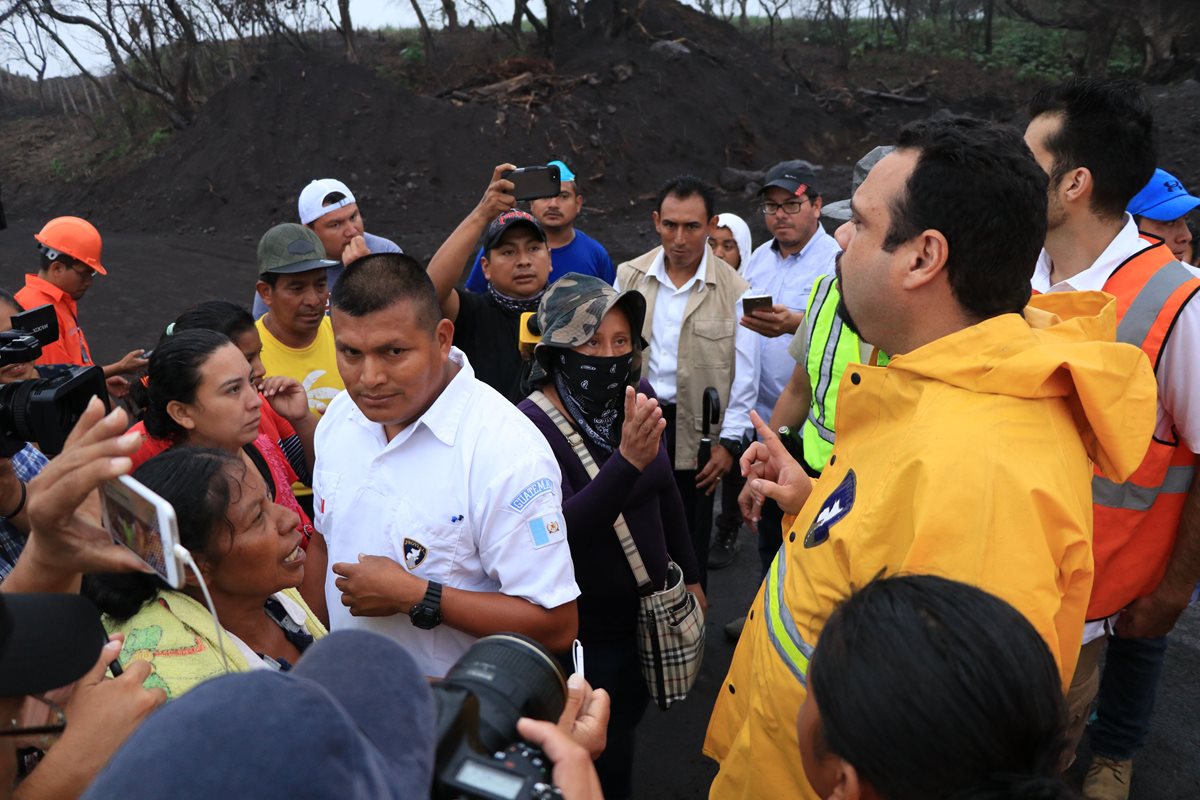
{"x": 532, "y": 183}
{"x": 757, "y": 302}
{"x": 145, "y": 523}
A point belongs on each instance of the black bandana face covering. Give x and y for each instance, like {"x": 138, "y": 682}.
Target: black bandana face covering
{"x": 593, "y": 390}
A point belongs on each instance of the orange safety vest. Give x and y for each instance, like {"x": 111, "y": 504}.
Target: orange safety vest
{"x": 1136, "y": 521}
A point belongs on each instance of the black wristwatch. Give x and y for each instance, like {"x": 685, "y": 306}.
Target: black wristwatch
{"x": 427, "y": 614}
{"x": 735, "y": 446}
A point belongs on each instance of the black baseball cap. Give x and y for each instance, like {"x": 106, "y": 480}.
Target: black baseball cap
{"x": 46, "y": 641}
{"x": 508, "y": 219}
{"x": 794, "y": 177}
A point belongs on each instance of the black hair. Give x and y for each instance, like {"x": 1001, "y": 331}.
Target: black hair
{"x": 978, "y": 184}
{"x": 685, "y": 186}
{"x": 216, "y": 315}
{"x": 269, "y": 278}
{"x": 331, "y": 198}
{"x": 933, "y": 688}
{"x": 380, "y": 280}
{"x": 1107, "y": 127}
{"x": 198, "y": 483}
{"x": 174, "y": 374}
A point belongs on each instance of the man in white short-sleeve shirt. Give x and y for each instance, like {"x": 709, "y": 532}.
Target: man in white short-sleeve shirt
{"x": 439, "y": 501}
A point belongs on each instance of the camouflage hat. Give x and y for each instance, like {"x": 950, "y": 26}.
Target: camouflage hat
{"x": 571, "y": 312}
{"x": 840, "y": 211}
{"x": 291, "y": 248}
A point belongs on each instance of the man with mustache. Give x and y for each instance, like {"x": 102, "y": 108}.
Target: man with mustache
{"x": 516, "y": 263}
{"x": 571, "y": 249}
{"x": 784, "y": 269}
{"x": 968, "y": 456}
{"x": 693, "y": 304}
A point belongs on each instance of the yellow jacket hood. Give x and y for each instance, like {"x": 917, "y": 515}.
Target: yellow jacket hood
{"x": 1063, "y": 346}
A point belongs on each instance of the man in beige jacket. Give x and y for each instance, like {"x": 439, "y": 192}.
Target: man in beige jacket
{"x": 693, "y": 305}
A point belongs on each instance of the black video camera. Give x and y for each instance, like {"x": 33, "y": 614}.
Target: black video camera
{"x": 502, "y": 678}
{"x": 42, "y": 410}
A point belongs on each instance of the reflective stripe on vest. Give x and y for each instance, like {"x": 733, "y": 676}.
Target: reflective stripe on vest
{"x": 781, "y": 628}
{"x": 1136, "y": 521}
{"x": 830, "y": 347}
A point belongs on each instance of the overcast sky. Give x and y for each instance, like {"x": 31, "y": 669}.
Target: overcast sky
{"x": 366, "y": 14}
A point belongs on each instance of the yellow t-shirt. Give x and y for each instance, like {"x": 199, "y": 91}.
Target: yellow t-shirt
{"x": 314, "y": 366}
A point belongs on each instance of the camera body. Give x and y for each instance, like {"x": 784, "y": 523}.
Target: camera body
{"x": 479, "y": 756}
{"x": 42, "y": 410}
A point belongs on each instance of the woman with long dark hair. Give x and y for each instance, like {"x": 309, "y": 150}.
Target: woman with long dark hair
{"x": 200, "y": 392}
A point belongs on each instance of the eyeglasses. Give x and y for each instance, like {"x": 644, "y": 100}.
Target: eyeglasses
{"x": 56, "y": 725}
{"x": 84, "y": 272}
{"x": 789, "y": 206}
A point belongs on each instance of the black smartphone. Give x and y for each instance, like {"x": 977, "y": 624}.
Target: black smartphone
{"x": 532, "y": 183}
{"x": 752, "y": 303}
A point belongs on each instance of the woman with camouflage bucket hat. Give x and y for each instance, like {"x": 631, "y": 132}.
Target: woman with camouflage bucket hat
{"x": 588, "y": 365}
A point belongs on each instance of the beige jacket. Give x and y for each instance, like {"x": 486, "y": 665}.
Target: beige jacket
{"x": 706, "y": 343}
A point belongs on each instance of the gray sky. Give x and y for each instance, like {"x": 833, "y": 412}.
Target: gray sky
{"x": 368, "y": 14}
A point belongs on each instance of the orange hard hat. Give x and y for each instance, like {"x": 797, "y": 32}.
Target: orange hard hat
{"x": 73, "y": 237}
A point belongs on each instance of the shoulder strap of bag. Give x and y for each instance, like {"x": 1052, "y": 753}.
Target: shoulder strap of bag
{"x": 589, "y": 464}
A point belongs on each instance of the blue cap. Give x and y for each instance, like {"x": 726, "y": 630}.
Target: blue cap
{"x": 1162, "y": 199}
{"x": 354, "y": 719}
{"x": 564, "y": 172}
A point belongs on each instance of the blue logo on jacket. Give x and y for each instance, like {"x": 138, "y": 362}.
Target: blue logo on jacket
{"x": 833, "y": 510}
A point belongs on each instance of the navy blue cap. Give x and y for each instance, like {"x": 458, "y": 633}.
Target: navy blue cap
{"x": 354, "y": 719}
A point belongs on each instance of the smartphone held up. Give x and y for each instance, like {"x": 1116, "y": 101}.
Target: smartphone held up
{"x": 533, "y": 183}
{"x": 144, "y": 522}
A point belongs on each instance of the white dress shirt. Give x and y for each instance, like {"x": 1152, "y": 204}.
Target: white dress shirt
{"x": 468, "y": 495}
{"x": 667, "y": 322}
{"x": 1178, "y": 371}
{"x": 789, "y": 281}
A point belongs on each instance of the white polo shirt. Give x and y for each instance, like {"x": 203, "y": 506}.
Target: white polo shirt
{"x": 469, "y": 495}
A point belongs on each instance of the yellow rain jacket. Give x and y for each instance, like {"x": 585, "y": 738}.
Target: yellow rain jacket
{"x": 966, "y": 458}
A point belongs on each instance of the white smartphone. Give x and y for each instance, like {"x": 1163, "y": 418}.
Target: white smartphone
{"x": 753, "y": 302}
{"x": 139, "y": 519}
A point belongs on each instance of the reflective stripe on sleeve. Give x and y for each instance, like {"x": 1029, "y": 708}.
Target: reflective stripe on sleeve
{"x": 1140, "y": 498}
{"x": 781, "y": 628}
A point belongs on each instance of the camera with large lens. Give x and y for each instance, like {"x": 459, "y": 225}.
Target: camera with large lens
{"x": 42, "y": 410}
{"x": 502, "y": 678}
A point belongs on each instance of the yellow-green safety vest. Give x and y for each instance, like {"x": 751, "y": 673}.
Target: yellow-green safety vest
{"x": 830, "y": 346}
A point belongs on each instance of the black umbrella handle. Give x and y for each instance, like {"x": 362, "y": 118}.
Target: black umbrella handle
{"x": 710, "y": 409}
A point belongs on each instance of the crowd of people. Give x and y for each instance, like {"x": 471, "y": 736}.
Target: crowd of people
{"x": 956, "y": 409}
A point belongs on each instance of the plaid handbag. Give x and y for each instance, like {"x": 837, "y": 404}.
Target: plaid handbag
{"x": 670, "y": 621}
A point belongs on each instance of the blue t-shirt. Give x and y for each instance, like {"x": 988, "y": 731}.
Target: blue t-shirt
{"x": 583, "y": 255}
{"x": 376, "y": 244}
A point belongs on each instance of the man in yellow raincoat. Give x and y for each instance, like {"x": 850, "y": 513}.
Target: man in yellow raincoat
{"x": 969, "y": 456}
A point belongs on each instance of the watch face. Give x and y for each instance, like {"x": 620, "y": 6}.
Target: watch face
{"x": 425, "y": 617}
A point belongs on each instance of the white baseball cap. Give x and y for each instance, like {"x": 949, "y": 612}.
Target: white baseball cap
{"x": 310, "y": 205}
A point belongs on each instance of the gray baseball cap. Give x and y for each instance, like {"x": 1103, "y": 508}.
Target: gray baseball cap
{"x": 290, "y": 248}
{"x": 840, "y": 211}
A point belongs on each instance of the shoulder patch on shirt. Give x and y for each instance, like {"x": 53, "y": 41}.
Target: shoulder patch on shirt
{"x": 546, "y": 531}
{"x": 526, "y": 495}
{"x": 414, "y": 553}
{"x": 833, "y": 511}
